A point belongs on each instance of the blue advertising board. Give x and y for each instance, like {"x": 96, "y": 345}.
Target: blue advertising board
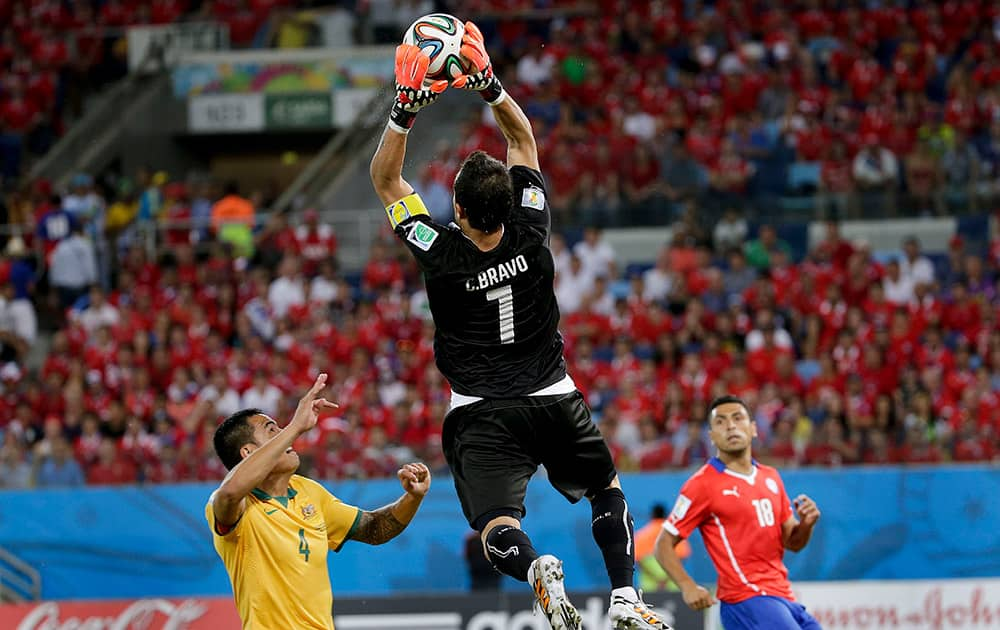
{"x": 878, "y": 523}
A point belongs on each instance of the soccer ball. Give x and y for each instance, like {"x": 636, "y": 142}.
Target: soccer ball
{"x": 439, "y": 36}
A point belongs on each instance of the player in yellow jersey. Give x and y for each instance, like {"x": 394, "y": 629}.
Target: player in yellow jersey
{"x": 273, "y": 528}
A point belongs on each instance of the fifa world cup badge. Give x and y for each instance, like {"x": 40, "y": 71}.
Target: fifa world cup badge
{"x": 533, "y": 197}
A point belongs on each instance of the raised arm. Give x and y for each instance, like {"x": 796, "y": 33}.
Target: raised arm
{"x": 382, "y": 525}
{"x": 516, "y": 129}
{"x": 386, "y": 168}
{"x": 229, "y": 500}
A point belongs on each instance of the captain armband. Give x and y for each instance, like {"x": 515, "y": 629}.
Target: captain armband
{"x": 409, "y": 206}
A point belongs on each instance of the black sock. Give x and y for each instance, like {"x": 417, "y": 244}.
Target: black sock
{"x": 614, "y": 534}
{"x": 510, "y": 551}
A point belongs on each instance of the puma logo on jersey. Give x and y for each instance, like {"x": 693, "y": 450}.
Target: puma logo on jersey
{"x": 731, "y": 492}
{"x": 497, "y": 274}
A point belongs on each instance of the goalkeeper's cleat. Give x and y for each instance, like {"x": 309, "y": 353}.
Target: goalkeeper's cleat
{"x": 545, "y": 575}
{"x": 634, "y": 615}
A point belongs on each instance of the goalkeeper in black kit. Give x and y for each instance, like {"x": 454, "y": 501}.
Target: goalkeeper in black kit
{"x": 489, "y": 278}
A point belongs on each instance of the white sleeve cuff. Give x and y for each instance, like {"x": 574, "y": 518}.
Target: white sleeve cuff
{"x": 398, "y": 129}
{"x": 499, "y": 99}
{"x": 669, "y": 527}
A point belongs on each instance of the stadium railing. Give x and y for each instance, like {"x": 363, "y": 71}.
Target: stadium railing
{"x": 19, "y": 581}
{"x": 91, "y": 137}
{"x": 324, "y": 171}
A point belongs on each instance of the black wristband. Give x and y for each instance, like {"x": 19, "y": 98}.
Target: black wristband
{"x": 401, "y": 118}
{"x": 492, "y": 91}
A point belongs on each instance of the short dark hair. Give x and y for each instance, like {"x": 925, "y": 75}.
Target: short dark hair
{"x": 232, "y": 435}
{"x": 659, "y": 511}
{"x": 484, "y": 191}
{"x": 728, "y": 398}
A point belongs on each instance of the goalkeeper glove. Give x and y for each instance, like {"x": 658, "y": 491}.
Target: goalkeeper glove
{"x": 411, "y": 94}
{"x": 483, "y": 81}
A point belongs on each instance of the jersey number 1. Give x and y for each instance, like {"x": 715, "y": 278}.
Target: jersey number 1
{"x": 506, "y": 297}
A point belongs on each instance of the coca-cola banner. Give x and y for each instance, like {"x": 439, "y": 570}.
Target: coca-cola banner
{"x": 195, "y": 613}
{"x": 900, "y": 604}
{"x": 909, "y": 605}
{"x": 495, "y": 610}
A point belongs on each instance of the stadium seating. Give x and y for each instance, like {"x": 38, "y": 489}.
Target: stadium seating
{"x": 844, "y": 361}
{"x": 772, "y": 81}
{"x": 53, "y": 55}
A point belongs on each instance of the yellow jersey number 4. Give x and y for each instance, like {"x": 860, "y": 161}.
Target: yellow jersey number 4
{"x": 303, "y": 544}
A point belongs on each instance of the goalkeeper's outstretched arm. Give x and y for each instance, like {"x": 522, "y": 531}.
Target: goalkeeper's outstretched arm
{"x": 412, "y": 95}
{"x": 516, "y": 128}
{"x": 386, "y": 169}
{"x": 521, "y": 148}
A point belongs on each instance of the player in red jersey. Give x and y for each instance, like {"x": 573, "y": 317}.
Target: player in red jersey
{"x": 747, "y": 521}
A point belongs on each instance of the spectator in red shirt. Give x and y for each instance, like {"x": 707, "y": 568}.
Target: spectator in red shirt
{"x": 50, "y": 52}
{"x": 111, "y": 468}
{"x": 243, "y": 23}
{"x": 729, "y": 175}
{"x": 836, "y": 186}
{"x": 640, "y": 183}
{"x": 315, "y": 241}
{"x": 762, "y": 361}
{"x": 166, "y": 11}
{"x": 781, "y": 450}
{"x": 17, "y": 113}
{"x": 918, "y": 448}
{"x": 563, "y": 173}
{"x": 702, "y": 142}
{"x": 835, "y": 247}
{"x": 829, "y": 447}
{"x": 878, "y": 450}
{"x": 600, "y": 189}
{"x": 167, "y": 468}
{"x": 973, "y": 444}
{"x": 924, "y": 180}
{"x": 382, "y": 271}
{"x": 116, "y": 13}
{"x": 864, "y": 75}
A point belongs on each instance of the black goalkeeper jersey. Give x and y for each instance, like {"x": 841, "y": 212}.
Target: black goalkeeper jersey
{"x": 495, "y": 312}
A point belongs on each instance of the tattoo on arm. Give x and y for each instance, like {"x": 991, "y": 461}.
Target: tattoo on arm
{"x": 377, "y": 527}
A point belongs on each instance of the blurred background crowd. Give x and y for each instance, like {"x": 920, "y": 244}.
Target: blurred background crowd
{"x": 139, "y": 309}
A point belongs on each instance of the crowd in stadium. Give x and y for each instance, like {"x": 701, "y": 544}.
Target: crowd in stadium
{"x": 844, "y": 359}
{"x": 54, "y": 55}
{"x": 734, "y": 102}
{"x": 752, "y": 104}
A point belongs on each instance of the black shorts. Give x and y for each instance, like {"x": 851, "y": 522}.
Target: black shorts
{"x": 493, "y": 447}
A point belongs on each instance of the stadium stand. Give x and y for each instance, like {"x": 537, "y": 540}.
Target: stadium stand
{"x": 56, "y": 54}
{"x": 180, "y": 317}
